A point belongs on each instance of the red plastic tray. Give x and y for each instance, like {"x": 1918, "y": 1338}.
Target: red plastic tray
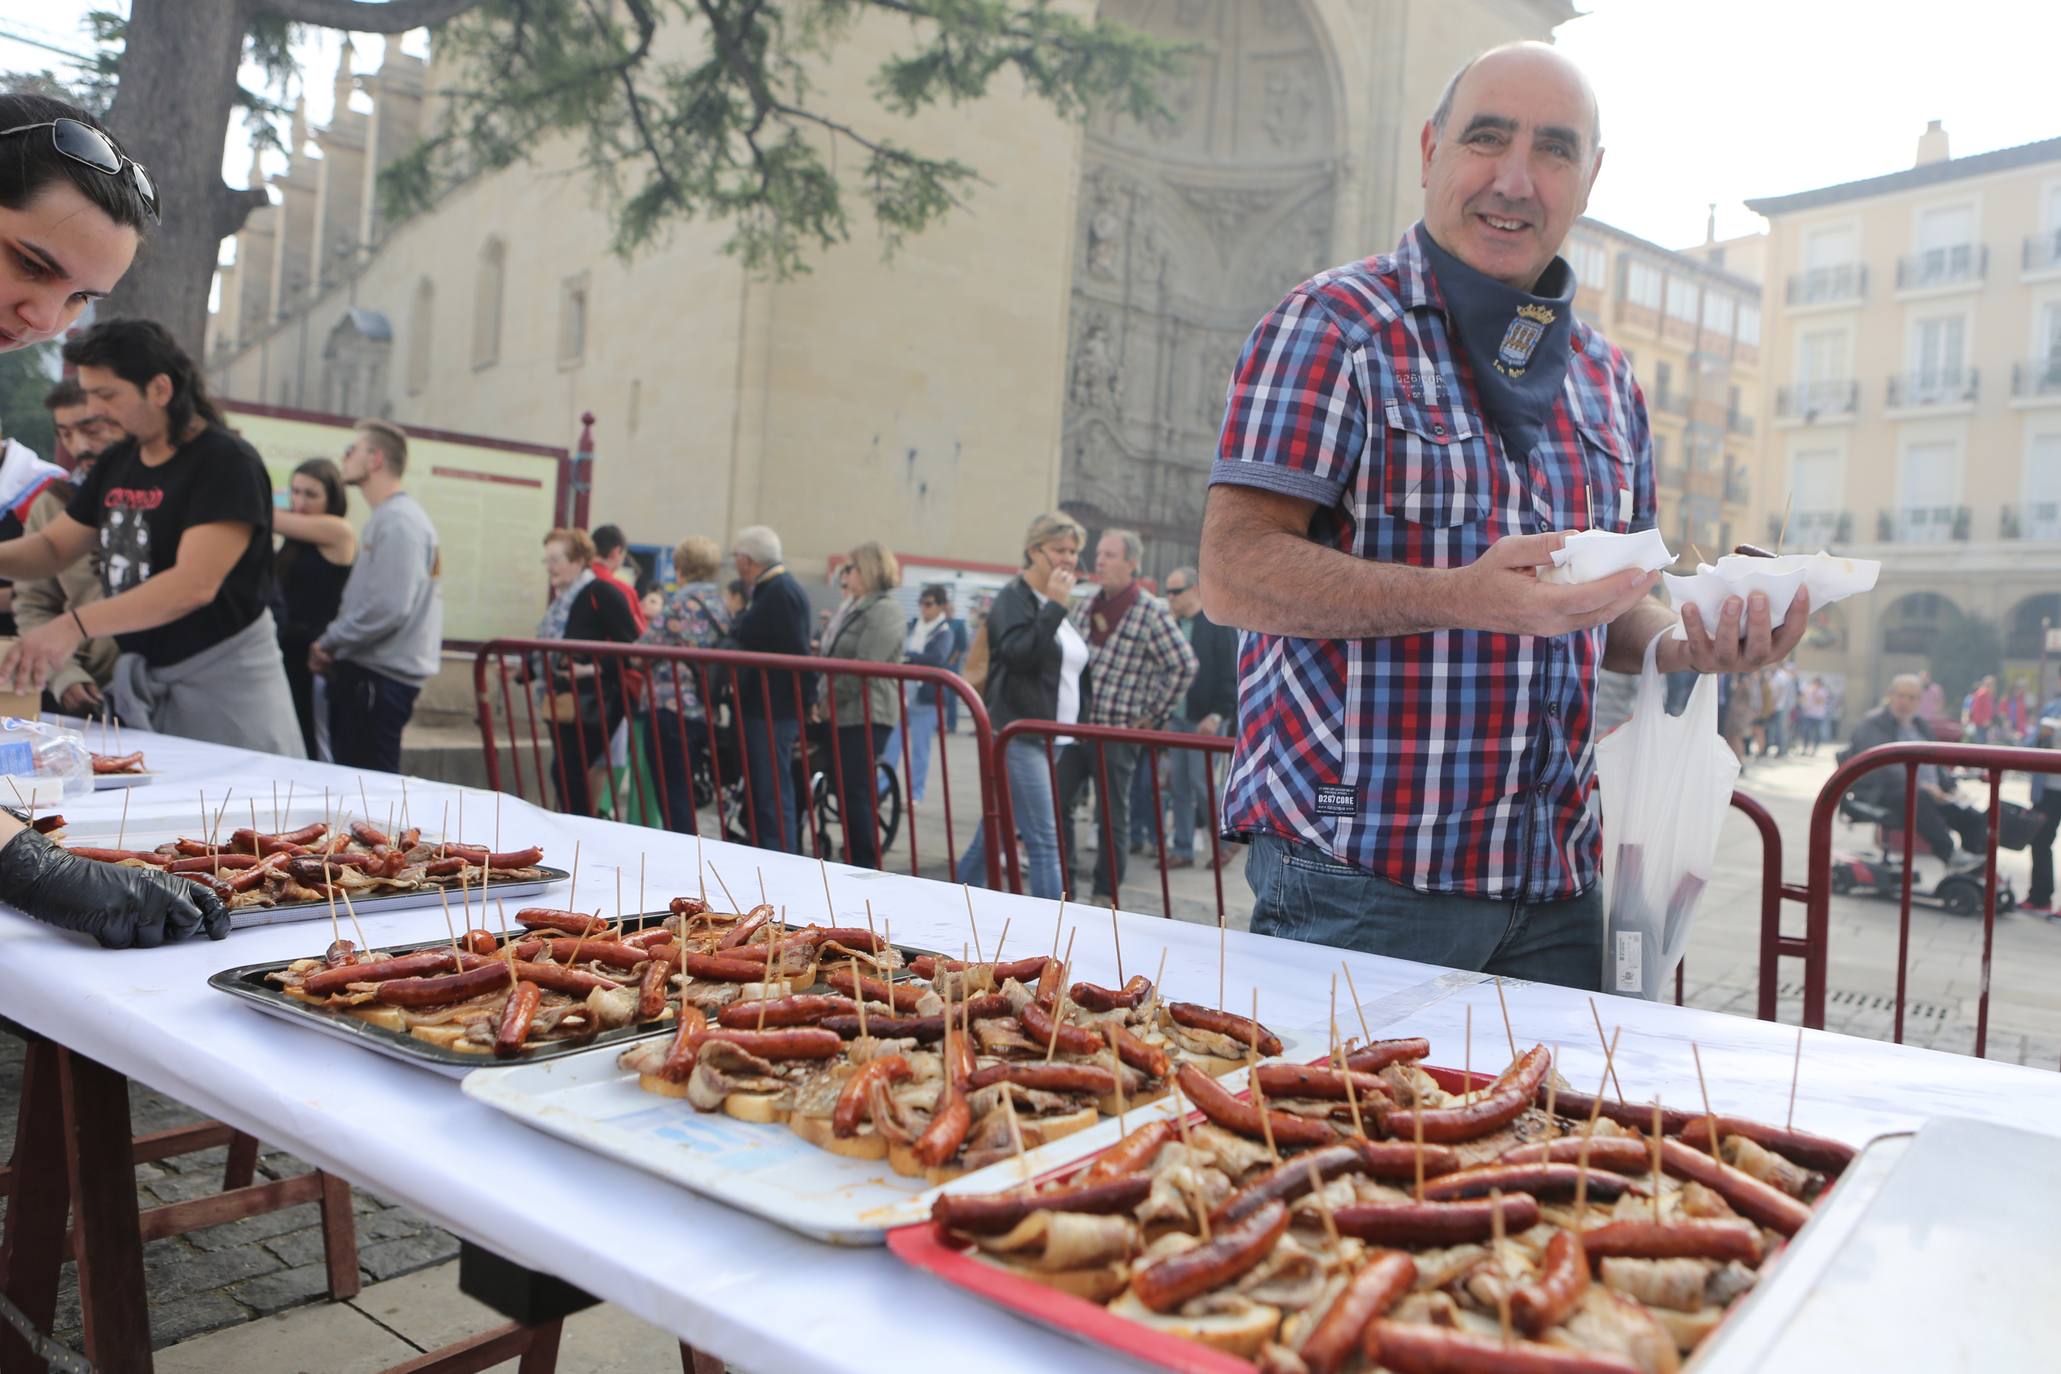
{"x": 920, "y": 1246}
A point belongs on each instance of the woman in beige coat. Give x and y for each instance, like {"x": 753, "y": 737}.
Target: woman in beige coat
{"x": 871, "y": 630}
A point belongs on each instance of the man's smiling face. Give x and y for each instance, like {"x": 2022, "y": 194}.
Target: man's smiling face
{"x": 1511, "y": 169}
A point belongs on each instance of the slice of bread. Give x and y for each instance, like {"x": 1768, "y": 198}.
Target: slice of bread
{"x": 1240, "y": 1333}
{"x": 866, "y": 1144}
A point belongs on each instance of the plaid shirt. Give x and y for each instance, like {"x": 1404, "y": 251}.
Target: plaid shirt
{"x": 1457, "y": 761}
{"x": 1142, "y": 671}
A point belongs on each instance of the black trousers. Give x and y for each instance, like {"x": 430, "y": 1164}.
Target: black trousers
{"x": 676, "y": 746}
{"x": 858, "y": 748}
{"x": 2049, "y": 812}
{"x": 367, "y": 712}
{"x": 1938, "y": 824}
{"x": 1078, "y": 769}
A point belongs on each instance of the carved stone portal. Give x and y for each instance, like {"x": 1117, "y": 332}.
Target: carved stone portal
{"x": 1192, "y": 226}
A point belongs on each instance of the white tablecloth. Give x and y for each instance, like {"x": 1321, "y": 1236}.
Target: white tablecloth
{"x": 742, "y": 1288}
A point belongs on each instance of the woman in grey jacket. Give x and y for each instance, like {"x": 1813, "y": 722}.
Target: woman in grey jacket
{"x": 865, "y": 710}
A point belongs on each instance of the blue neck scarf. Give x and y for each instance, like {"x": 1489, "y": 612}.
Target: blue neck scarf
{"x": 1516, "y": 342}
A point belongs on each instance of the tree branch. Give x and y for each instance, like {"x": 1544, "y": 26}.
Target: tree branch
{"x": 229, "y": 207}
{"x": 355, "y": 16}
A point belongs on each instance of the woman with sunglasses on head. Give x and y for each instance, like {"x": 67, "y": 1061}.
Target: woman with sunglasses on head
{"x": 73, "y": 211}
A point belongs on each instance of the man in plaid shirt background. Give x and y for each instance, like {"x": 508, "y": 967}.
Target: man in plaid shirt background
{"x": 1142, "y": 665}
{"x": 1407, "y": 440}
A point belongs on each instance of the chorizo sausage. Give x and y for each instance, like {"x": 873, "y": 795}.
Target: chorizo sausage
{"x": 1419, "y": 1348}
{"x": 1127, "y": 998}
{"x": 1748, "y": 1195}
{"x": 946, "y": 1132}
{"x": 1537, "y": 1179}
{"x": 789, "y": 1042}
{"x": 1131, "y": 1154}
{"x": 1041, "y": 1029}
{"x": 903, "y": 997}
{"x": 329, "y": 980}
{"x": 448, "y": 987}
{"x": 1242, "y": 1029}
{"x": 1502, "y": 1103}
{"x": 1801, "y": 1147}
{"x": 1563, "y": 1278}
{"x": 1720, "y": 1239}
{"x": 987, "y": 1214}
{"x": 1090, "y": 1079}
{"x": 851, "y": 1099}
{"x": 1379, "y": 1284}
{"x": 652, "y": 987}
{"x": 1373, "y": 1058}
{"x": 1227, "y": 1111}
{"x": 1166, "y": 1283}
{"x": 553, "y": 918}
{"x": 1434, "y": 1223}
{"x": 1325, "y": 1084}
{"x": 1619, "y": 1154}
{"x": 800, "y": 1010}
{"x": 516, "y": 1019}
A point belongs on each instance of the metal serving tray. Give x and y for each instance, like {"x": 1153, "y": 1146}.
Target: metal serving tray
{"x": 248, "y": 984}
{"x": 287, "y": 912}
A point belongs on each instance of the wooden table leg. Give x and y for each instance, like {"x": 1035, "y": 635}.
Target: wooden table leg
{"x": 38, "y": 1205}
{"x": 113, "y": 1307}
{"x": 693, "y": 1361}
{"x": 339, "y": 1237}
{"x": 542, "y": 1355}
{"x": 242, "y": 1165}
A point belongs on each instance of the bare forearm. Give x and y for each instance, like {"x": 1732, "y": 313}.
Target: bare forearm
{"x": 159, "y": 601}
{"x": 1624, "y": 646}
{"x": 32, "y": 555}
{"x": 1272, "y": 581}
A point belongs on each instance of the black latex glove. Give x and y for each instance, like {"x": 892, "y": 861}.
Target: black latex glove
{"x": 117, "y": 905}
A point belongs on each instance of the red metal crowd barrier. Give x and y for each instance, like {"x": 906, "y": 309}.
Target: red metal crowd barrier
{"x": 1995, "y": 760}
{"x": 561, "y": 702}
{"x": 1152, "y": 745}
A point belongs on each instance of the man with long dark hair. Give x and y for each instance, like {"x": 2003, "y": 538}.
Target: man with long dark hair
{"x": 76, "y": 686}
{"x": 181, "y": 513}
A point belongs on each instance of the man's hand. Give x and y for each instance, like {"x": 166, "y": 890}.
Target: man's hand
{"x": 38, "y": 654}
{"x": 81, "y": 699}
{"x": 1727, "y": 651}
{"x": 320, "y": 660}
{"x": 1501, "y": 591}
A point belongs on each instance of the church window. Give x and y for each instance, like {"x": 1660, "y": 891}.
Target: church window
{"x": 572, "y": 319}
{"x": 420, "y": 316}
{"x": 486, "y": 305}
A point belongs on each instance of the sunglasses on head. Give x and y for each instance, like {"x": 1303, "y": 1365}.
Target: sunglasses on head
{"x": 84, "y": 144}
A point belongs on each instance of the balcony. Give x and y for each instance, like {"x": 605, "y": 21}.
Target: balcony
{"x": 1848, "y": 281}
{"x": 1739, "y": 422}
{"x": 1954, "y": 265}
{"x": 1811, "y": 530}
{"x": 2036, "y": 520}
{"x": 2042, "y": 252}
{"x": 2037, "y": 377}
{"x": 1810, "y": 400}
{"x": 1671, "y": 476}
{"x": 1924, "y": 525}
{"x": 1738, "y": 490}
{"x": 1673, "y": 402}
{"x": 1942, "y": 386}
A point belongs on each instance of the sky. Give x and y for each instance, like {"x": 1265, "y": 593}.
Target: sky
{"x": 1701, "y": 101}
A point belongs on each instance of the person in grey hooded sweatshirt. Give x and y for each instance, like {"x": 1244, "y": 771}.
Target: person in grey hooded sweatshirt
{"x": 388, "y": 634}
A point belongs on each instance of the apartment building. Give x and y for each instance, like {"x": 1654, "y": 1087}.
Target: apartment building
{"x": 1913, "y": 387}
{"x": 1692, "y": 329}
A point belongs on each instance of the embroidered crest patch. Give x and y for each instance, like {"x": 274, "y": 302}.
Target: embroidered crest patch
{"x": 1513, "y": 355}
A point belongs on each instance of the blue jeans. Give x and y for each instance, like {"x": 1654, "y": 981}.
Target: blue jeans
{"x": 1030, "y": 796}
{"x": 922, "y": 728}
{"x": 1302, "y": 893}
{"x": 769, "y": 762}
{"x": 1080, "y": 769}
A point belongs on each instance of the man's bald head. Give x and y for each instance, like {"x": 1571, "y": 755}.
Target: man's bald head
{"x": 1444, "y": 109}
{"x": 1509, "y": 157}
{"x": 1906, "y": 691}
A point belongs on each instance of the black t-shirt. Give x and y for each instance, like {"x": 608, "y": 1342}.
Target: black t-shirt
{"x": 142, "y": 512}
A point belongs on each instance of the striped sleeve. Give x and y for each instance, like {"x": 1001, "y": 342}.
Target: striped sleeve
{"x": 1295, "y": 421}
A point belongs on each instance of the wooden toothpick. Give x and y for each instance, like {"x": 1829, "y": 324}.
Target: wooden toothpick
{"x": 1502, "y": 1289}
{"x": 1704, "y": 1089}
{"x": 1606, "y": 1047}
{"x": 1795, "y": 1071}
{"x": 572, "y": 891}
{"x": 717, "y": 874}
{"x": 352, "y": 912}
{"x": 972, "y": 924}
{"x": 1323, "y": 1203}
{"x": 1002, "y": 938}
{"x": 1366, "y": 1036}
{"x": 1656, "y": 1159}
{"x": 1116, "y": 937}
{"x": 829, "y": 907}
{"x": 123, "y": 833}
{"x": 1507, "y": 1031}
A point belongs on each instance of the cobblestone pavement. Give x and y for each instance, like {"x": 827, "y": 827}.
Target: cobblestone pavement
{"x": 246, "y": 1270}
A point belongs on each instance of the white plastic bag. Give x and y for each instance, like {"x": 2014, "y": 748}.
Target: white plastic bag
{"x": 1665, "y": 783}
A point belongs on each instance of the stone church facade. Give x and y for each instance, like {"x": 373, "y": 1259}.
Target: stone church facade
{"x": 1064, "y": 339}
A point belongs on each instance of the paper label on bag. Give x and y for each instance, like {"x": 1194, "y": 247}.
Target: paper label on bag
{"x": 1631, "y": 960}
{"x": 1624, "y": 505}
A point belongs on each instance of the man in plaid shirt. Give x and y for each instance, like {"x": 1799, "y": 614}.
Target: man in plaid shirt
{"x": 1141, "y": 665}
{"x": 1407, "y": 440}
